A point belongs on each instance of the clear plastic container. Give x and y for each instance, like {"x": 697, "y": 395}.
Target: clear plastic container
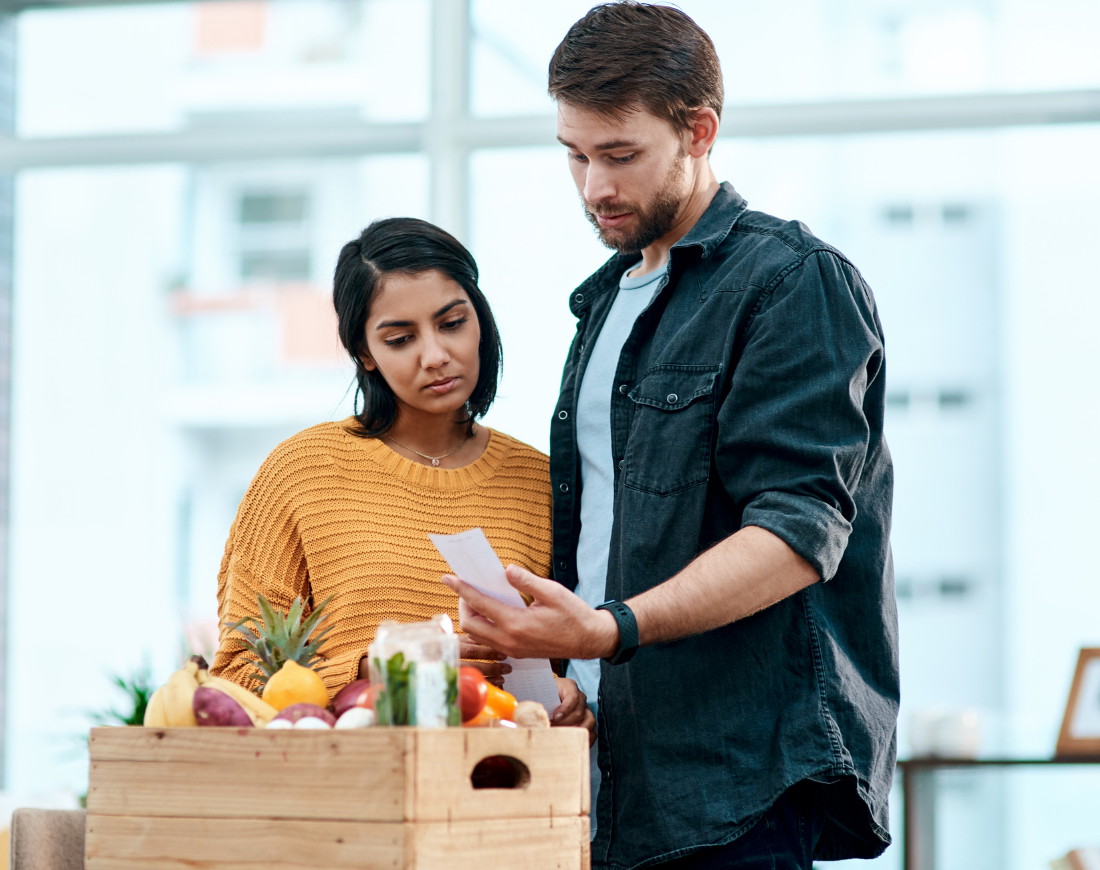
{"x": 416, "y": 663}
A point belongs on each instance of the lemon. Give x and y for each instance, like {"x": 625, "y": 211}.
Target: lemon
{"x": 293, "y": 684}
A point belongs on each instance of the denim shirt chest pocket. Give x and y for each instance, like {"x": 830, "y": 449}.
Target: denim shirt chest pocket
{"x": 672, "y": 429}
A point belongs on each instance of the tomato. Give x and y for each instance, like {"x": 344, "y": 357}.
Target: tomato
{"x": 472, "y": 691}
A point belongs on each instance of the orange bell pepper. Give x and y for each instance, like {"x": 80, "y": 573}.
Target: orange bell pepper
{"x": 499, "y": 705}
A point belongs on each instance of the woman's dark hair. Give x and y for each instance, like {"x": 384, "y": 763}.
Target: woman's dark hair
{"x": 406, "y": 246}
{"x": 627, "y": 55}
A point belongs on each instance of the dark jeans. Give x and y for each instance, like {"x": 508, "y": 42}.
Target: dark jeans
{"x": 781, "y": 839}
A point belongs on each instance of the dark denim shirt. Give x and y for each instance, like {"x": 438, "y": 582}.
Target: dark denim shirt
{"x": 750, "y": 392}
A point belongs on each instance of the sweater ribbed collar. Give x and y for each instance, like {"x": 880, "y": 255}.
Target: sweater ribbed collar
{"x": 439, "y": 479}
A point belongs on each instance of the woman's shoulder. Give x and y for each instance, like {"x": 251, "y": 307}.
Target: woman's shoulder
{"x": 314, "y": 446}
{"x": 321, "y": 434}
{"x": 515, "y": 452}
{"x": 513, "y": 443}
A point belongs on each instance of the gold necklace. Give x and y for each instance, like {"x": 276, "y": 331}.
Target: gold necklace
{"x": 434, "y": 460}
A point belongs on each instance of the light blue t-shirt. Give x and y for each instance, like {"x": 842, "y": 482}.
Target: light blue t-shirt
{"x": 593, "y": 416}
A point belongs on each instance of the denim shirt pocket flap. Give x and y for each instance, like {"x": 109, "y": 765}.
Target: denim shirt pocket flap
{"x": 674, "y": 387}
{"x": 668, "y": 449}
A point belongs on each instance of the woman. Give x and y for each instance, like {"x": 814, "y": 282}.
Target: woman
{"x": 345, "y": 508}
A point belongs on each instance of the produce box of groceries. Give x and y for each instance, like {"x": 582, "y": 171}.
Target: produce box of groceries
{"x": 422, "y": 766}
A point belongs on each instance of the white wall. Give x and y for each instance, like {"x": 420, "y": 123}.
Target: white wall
{"x": 1052, "y": 357}
{"x": 90, "y": 591}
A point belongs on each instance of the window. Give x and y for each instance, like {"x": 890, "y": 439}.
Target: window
{"x": 274, "y": 237}
{"x": 179, "y": 201}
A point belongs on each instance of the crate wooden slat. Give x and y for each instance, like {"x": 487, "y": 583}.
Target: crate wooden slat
{"x": 202, "y": 771}
{"x": 130, "y": 843}
{"x": 380, "y": 797}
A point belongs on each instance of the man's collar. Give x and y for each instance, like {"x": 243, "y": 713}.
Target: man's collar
{"x": 716, "y": 222}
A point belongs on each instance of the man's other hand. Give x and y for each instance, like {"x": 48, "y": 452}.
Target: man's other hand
{"x": 556, "y": 624}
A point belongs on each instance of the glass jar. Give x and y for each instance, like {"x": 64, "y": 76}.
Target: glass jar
{"x": 416, "y": 663}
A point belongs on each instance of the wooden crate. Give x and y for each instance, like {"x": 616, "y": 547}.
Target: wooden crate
{"x": 246, "y": 799}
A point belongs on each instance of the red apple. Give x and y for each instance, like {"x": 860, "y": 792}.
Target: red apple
{"x": 352, "y": 695}
{"x": 367, "y": 700}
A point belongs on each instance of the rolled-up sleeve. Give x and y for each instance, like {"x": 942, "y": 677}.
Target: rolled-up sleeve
{"x": 793, "y": 431}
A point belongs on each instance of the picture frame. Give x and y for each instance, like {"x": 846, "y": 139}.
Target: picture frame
{"x": 1080, "y": 732}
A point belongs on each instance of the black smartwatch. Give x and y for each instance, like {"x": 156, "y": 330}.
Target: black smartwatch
{"x": 628, "y": 631}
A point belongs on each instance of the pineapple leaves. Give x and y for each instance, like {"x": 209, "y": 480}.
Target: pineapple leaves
{"x": 275, "y": 639}
{"x": 275, "y": 629}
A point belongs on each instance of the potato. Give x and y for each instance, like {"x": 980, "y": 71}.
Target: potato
{"x": 531, "y": 714}
{"x": 215, "y": 708}
{"x": 303, "y": 710}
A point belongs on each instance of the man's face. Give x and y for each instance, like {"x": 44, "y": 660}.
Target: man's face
{"x": 631, "y": 174}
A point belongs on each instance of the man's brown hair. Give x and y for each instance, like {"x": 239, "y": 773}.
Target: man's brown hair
{"x": 626, "y": 55}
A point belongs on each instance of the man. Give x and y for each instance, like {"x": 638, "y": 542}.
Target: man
{"x": 719, "y": 475}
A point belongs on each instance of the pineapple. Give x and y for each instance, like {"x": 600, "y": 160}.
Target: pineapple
{"x": 275, "y": 638}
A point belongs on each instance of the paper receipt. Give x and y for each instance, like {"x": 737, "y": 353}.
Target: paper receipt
{"x": 473, "y": 560}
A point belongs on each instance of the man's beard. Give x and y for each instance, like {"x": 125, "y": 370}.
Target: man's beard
{"x": 652, "y": 222}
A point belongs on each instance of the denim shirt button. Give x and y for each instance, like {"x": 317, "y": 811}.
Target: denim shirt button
{"x": 621, "y": 464}
{"x": 578, "y": 298}
{"x": 672, "y": 398}
{"x": 563, "y": 415}
{"x": 562, "y": 565}
{"x": 564, "y": 487}
{"x": 624, "y": 388}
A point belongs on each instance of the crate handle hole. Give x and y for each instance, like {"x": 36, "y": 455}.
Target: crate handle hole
{"x": 500, "y": 771}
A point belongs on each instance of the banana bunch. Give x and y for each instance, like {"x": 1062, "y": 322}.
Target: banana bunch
{"x": 172, "y": 705}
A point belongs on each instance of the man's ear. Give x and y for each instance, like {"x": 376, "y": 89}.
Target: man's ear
{"x": 703, "y": 131}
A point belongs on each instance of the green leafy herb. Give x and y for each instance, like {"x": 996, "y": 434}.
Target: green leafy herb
{"x": 454, "y": 714}
{"x": 392, "y": 705}
{"x": 396, "y": 704}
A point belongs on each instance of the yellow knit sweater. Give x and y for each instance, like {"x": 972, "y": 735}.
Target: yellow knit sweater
{"x": 330, "y": 513}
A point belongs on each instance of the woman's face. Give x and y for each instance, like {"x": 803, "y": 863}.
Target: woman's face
{"x": 423, "y": 337}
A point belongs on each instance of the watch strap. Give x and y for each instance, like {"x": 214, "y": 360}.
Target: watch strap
{"x": 628, "y": 631}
